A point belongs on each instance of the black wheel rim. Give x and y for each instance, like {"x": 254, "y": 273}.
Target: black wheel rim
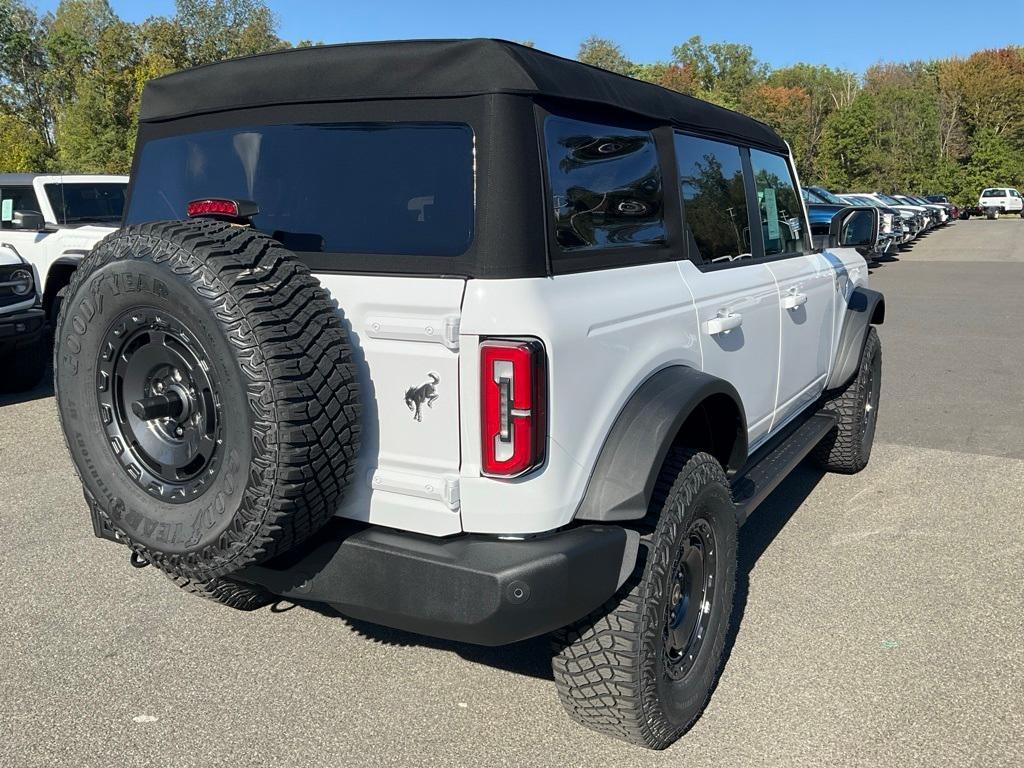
{"x": 872, "y": 389}
{"x": 691, "y": 599}
{"x": 160, "y": 404}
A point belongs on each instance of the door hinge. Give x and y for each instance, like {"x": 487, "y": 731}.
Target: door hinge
{"x": 441, "y": 488}
{"x": 440, "y": 329}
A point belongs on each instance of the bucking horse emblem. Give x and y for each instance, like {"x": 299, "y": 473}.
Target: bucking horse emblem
{"x": 415, "y": 397}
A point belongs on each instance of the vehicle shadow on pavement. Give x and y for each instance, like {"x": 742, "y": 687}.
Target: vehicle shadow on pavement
{"x": 533, "y": 657}
{"x": 760, "y": 530}
{"x": 42, "y": 391}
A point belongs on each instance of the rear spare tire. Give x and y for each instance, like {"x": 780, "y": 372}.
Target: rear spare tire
{"x": 206, "y": 393}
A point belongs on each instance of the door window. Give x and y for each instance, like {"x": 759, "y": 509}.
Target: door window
{"x": 16, "y": 199}
{"x": 780, "y": 210}
{"x": 714, "y": 198}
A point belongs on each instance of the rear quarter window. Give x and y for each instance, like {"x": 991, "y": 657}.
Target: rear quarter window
{"x": 605, "y": 186}
{"x": 363, "y": 188}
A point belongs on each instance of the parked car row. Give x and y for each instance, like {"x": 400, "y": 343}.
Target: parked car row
{"x": 900, "y": 218}
{"x": 48, "y": 223}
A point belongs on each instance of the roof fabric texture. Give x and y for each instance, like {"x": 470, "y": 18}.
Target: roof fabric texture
{"x": 418, "y": 69}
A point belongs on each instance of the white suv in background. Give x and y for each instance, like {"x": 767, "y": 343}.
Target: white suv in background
{"x": 996, "y": 200}
{"x": 60, "y": 218}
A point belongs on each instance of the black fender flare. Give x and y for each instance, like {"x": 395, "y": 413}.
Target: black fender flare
{"x": 627, "y": 467}
{"x": 865, "y": 308}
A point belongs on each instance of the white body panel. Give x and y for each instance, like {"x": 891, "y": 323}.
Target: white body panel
{"x": 403, "y": 330}
{"x": 604, "y": 332}
{"x": 748, "y": 355}
{"x": 807, "y": 325}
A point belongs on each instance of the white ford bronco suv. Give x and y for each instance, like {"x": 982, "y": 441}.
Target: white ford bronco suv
{"x": 469, "y": 340}
{"x": 23, "y": 351}
{"x": 62, "y": 217}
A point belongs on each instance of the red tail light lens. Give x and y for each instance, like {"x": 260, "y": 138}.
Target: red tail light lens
{"x": 513, "y": 392}
{"x": 222, "y": 206}
{"x": 215, "y": 207}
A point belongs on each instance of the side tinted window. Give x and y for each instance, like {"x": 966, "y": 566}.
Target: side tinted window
{"x": 714, "y": 198}
{"x": 781, "y": 213}
{"x": 605, "y": 185}
{"x": 22, "y": 198}
{"x": 73, "y": 203}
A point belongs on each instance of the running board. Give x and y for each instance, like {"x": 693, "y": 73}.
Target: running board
{"x": 770, "y": 465}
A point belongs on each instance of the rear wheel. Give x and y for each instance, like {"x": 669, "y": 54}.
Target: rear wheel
{"x": 206, "y": 392}
{"x": 643, "y": 667}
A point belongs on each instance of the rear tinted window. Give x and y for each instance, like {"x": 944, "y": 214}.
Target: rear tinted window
{"x": 76, "y": 203}
{"x": 396, "y": 188}
{"x": 994, "y": 193}
{"x": 605, "y": 185}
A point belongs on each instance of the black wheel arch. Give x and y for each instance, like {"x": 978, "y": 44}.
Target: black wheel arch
{"x": 676, "y": 406}
{"x": 864, "y": 309}
{"x": 59, "y": 275}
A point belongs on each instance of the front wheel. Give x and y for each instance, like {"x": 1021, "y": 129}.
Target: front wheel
{"x": 643, "y": 667}
{"x": 847, "y": 448}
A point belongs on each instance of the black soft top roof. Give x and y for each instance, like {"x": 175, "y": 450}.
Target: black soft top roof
{"x": 428, "y": 69}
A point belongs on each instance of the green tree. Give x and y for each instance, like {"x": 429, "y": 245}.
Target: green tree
{"x": 96, "y": 132}
{"x": 599, "y": 52}
{"x": 23, "y": 67}
{"x": 20, "y": 147}
{"x": 723, "y": 72}
{"x": 214, "y": 30}
{"x": 828, "y": 90}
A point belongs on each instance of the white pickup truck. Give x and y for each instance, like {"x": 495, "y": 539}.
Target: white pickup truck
{"x": 60, "y": 218}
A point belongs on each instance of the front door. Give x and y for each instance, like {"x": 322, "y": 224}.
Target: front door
{"x": 805, "y": 282}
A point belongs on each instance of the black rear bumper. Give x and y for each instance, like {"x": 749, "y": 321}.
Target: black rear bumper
{"x": 473, "y": 588}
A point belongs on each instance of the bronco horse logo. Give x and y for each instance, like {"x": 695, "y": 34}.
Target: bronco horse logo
{"x": 415, "y": 397}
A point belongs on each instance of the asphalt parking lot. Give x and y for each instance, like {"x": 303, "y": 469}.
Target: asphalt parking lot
{"x": 880, "y": 617}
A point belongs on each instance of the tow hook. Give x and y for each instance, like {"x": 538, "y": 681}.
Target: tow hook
{"x": 137, "y": 560}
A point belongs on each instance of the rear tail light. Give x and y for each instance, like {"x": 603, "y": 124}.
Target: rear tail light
{"x": 513, "y": 401}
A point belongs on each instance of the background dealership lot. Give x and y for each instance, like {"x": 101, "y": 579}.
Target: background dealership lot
{"x": 880, "y": 614}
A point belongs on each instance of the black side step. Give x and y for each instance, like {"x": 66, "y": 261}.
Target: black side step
{"x": 770, "y": 465}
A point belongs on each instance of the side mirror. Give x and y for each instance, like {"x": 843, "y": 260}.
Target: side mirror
{"x": 30, "y": 220}
{"x": 855, "y": 227}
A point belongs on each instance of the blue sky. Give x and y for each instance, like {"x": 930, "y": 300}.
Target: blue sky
{"x": 781, "y": 32}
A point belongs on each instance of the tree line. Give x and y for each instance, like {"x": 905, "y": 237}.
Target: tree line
{"x": 952, "y": 125}
{"x": 70, "y": 83}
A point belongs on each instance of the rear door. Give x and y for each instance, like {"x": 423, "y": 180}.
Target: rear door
{"x": 405, "y": 333}
{"x": 380, "y": 198}
{"x": 737, "y": 299}
{"x": 805, "y": 282}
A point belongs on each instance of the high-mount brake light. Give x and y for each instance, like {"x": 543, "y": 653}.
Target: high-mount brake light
{"x": 513, "y": 402}
{"x": 222, "y": 208}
